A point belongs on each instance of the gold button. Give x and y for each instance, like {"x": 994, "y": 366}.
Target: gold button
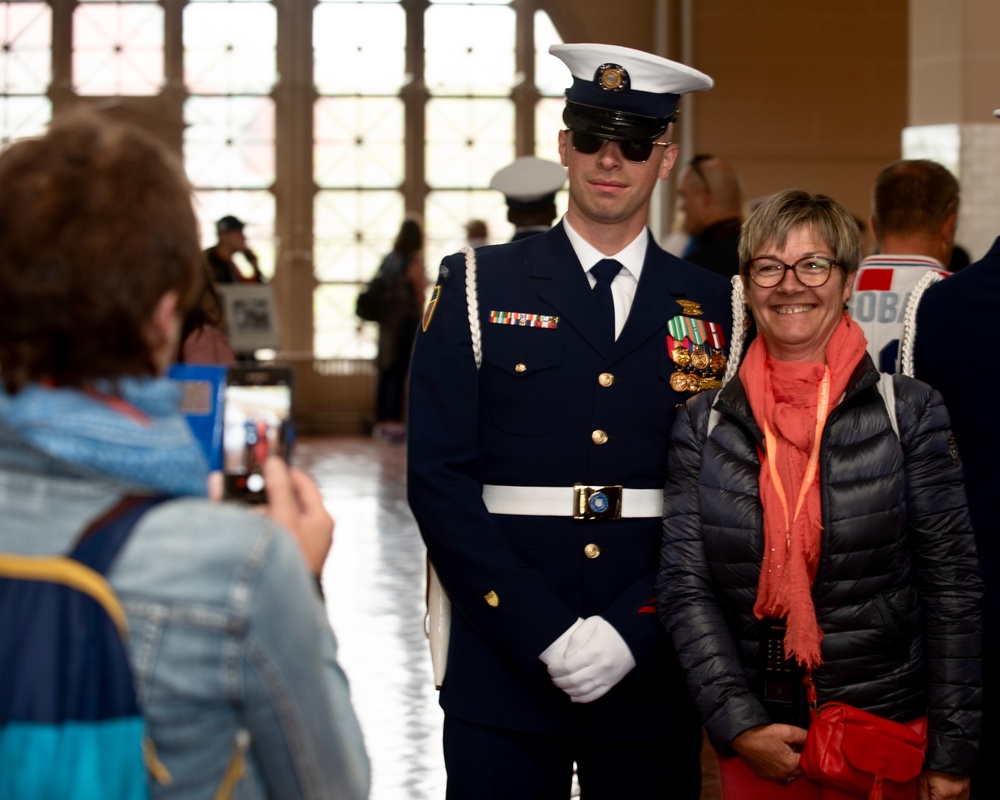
{"x": 591, "y": 551}
{"x": 599, "y": 437}
{"x": 519, "y": 367}
{"x": 605, "y": 379}
{"x": 492, "y": 599}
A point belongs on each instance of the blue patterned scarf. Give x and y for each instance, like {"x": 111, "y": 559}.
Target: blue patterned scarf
{"x": 95, "y": 431}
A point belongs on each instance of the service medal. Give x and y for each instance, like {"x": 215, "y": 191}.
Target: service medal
{"x": 681, "y": 356}
{"x": 717, "y": 362}
{"x": 699, "y": 359}
{"x": 679, "y": 382}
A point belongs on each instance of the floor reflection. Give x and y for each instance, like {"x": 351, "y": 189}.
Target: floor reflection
{"x": 374, "y": 582}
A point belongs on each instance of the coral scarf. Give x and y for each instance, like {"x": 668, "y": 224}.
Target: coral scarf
{"x": 791, "y": 401}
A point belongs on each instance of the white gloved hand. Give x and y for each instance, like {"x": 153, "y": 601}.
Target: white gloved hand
{"x": 557, "y": 650}
{"x": 597, "y": 658}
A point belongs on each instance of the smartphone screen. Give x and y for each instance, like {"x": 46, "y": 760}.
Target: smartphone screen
{"x": 257, "y": 422}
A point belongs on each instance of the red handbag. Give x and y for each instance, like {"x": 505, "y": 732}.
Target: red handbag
{"x": 862, "y": 754}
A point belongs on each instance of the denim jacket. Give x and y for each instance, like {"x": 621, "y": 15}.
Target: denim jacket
{"x": 230, "y": 645}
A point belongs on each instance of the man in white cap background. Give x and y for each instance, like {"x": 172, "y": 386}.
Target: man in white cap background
{"x": 953, "y": 315}
{"x": 544, "y": 383}
{"x": 529, "y": 186}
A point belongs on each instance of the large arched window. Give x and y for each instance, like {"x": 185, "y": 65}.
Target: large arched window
{"x": 417, "y": 107}
{"x": 412, "y": 105}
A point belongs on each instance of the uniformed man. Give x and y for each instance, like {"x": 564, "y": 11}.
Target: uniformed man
{"x": 543, "y": 387}
{"x": 529, "y": 186}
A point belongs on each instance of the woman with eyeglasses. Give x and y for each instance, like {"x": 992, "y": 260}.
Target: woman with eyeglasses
{"x": 805, "y": 538}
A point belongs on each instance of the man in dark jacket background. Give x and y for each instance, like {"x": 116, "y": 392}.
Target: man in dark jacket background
{"x": 965, "y": 308}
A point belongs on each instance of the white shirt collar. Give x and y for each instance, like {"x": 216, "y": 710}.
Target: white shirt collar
{"x": 631, "y": 257}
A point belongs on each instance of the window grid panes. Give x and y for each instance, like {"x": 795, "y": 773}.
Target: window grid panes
{"x": 118, "y": 48}
{"x": 221, "y": 57}
{"x": 230, "y": 70}
{"x": 469, "y": 50}
{"x": 468, "y": 140}
{"x": 358, "y": 142}
{"x": 25, "y": 70}
{"x": 354, "y": 231}
{"x": 25, "y": 60}
{"x": 360, "y": 48}
{"x": 360, "y": 123}
{"x": 229, "y": 141}
{"x": 469, "y": 73}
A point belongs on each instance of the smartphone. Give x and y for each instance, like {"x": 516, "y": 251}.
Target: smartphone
{"x": 783, "y": 694}
{"x": 257, "y": 422}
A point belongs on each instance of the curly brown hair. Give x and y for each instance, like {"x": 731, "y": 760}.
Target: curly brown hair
{"x": 96, "y": 226}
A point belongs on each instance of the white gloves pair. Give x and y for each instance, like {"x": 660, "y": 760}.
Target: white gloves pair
{"x": 588, "y": 659}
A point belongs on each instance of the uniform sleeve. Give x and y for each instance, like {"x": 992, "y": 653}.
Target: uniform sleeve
{"x": 947, "y": 573}
{"x": 507, "y": 602}
{"x": 687, "y": 603}
{"x": 297, "y": 708}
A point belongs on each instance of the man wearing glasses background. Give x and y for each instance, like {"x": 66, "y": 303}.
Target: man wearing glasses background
{"x": 712, "y": 203}
{"x": 914, "y": 214}
{"x": 544, "y": 384}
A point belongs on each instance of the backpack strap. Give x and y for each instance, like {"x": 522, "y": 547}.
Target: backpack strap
{"x": 887, "y": 389}
{"x": 101, "y": 541}
{"x": 84, "y": 568}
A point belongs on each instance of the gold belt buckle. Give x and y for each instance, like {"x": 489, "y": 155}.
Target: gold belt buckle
{"x": 597, "y": 502}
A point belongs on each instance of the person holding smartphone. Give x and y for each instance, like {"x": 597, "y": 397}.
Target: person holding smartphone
{"x": 231, "y": 650}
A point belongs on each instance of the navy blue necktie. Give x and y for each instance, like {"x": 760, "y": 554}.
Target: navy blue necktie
{"x": 605, "y": 271}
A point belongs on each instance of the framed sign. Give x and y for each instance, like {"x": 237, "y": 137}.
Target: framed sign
{"x": 251, "y": 316}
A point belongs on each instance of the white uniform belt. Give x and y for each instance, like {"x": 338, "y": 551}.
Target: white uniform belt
{"x": 579, "y": 501}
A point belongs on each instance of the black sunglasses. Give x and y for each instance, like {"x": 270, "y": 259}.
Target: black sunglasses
{"x": 637, "y": 151}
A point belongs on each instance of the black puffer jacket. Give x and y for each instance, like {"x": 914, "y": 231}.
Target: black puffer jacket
{"x": 898, "y": 588}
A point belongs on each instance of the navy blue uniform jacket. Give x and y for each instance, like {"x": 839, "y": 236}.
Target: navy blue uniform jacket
{"x": 533, "y": 426}
{"x": 956, "y": 318}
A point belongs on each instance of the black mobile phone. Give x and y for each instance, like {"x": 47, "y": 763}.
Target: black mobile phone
{"x": 257, "y": 422}
{"x": 783, "y": 692}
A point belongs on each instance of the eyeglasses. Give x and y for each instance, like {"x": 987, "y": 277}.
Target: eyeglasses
{"x": 637, "y": 151}
{"x": 811, "y": 271}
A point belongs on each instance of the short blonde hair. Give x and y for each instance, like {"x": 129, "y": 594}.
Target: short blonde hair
{"x": 772, "y": 220}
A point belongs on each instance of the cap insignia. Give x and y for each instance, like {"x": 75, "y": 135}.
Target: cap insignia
{"x": 612, "y": 78}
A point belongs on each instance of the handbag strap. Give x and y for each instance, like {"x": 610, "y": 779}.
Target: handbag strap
{"x": 810, "y": 692}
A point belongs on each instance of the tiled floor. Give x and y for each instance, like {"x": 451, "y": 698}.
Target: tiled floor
{"x": 374, "y": 583}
